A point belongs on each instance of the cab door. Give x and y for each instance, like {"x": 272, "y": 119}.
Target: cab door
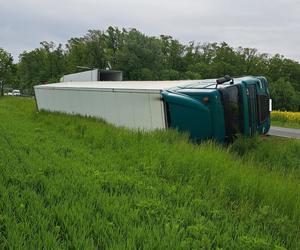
{"x": 187, "y": 114}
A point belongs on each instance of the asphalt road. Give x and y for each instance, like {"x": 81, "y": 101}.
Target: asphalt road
{"x": 285, "y": 132}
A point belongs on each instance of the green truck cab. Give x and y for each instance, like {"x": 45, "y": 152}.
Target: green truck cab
{"x": 219, "y": 109}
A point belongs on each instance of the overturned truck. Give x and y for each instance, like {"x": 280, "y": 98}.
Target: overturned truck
{"x": 206, "y": 109}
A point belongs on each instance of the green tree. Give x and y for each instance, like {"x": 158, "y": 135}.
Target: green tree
{"x": 250, "y": 62}
{"x": 138, "y": 54}
{"x": 41, "y": 65}
{"x": 115, "y": 43}
{"x": 284, "y": 95}
{"x": 90, "y": 51}
{"x": 6, "y": 68}
{"x": 225, "y": 61}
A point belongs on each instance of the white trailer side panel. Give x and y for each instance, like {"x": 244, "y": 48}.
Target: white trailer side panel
{"x": 90, "y": 75}
{"x": 138, "y": 110}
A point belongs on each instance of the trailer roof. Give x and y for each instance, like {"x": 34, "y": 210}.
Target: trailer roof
{"x": 139, "y": 86}
{"x": 152, "y": 86}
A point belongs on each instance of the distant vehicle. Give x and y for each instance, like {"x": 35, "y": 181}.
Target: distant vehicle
{"x": 16, "y": 92}
{"x": 9, "y": 93}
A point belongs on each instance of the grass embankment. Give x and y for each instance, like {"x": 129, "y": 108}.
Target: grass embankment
{"x": 286, "y": 119}
{"x": 272, "y": 153}
{"x": 72, "y": 182}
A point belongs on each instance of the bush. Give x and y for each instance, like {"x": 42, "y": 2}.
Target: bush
{"x": 284, "y": 96}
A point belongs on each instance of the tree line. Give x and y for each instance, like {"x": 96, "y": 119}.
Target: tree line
{"x": 143, "y": 57}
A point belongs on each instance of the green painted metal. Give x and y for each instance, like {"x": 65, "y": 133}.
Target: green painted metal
{"x": 216, "y": 109}
{"x": 198, "y": 108}
{"x": 188, "y": 115}
{"x": 261, "y": 86}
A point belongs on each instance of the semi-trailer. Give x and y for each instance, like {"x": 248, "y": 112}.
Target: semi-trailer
{"x": 217, "y": 109}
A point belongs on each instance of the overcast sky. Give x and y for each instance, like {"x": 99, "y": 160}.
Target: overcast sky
{"x": 270, "y": 26}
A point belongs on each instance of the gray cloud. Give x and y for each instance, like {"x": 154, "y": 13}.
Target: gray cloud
{"x": 270, "y": 26}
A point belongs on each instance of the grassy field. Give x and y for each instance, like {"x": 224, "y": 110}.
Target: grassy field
{"x": 285, "y": 124}
{"x": 286, "y": 119}
{"x": 69, "y": 182}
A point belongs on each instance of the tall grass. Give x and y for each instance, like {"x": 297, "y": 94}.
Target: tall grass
{"x": 274, "y": 153}
{"x": 74, "y": 182}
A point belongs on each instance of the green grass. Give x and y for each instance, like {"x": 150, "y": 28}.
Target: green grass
{"x": 273, "y": 153}
{"x": 69, "y": 182}
{"x": 285, "y": 119}
{"x": 285, "y": 124}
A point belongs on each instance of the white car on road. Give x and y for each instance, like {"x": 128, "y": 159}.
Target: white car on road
{"x": 16, "y": 92}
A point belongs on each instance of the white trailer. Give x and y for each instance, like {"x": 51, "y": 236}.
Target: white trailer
{"x": 132, "y": 104}
{"x": 90, "y": 75}
{"x": 94, "y": 75}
